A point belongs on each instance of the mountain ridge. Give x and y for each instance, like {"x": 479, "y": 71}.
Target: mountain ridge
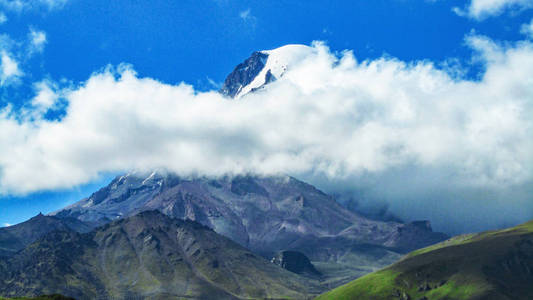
{"x": 147, "y": 255}
{"x": 262, "y": 213}
{"x": 14, "y": 238}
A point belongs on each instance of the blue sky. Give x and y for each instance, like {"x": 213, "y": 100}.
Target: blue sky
{"x": 200, "y": 42}
{"x": 191, "y": 41}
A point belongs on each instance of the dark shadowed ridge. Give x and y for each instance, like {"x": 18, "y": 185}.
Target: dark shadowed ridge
{"x": 16, "y": 237}
{"x": 147, "y": 255}
{"x": 244, "y": 73}
{"x": 295, "y": 262}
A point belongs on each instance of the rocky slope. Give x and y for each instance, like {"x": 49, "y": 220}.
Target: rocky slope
{"x": 264, "y": 214}
{"x": 243, "y": 74}
{"x": 16, "y": 237}
{"x": 489, "y": 265}
{"x": 147, "y": 255}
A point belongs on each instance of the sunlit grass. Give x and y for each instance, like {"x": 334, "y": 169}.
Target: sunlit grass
{"x": 373, "y": 286}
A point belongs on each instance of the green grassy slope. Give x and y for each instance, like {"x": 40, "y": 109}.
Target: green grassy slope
{"x": 489, "y": 265}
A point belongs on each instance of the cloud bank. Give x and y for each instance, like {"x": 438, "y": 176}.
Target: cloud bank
{"x": 481, "y": 9}
{"x": 407, "y": 135}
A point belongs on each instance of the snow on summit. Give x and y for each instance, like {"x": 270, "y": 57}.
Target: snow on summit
{"x": 277, "y": 63}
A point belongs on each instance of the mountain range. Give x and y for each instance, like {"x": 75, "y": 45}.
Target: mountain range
{"x": 263, "y": 214}
{"x": 147, "y": 255}
{"x": 95, "y": 247}
{"x": 158, "y": 235}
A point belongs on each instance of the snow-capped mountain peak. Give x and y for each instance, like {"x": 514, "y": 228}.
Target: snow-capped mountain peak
{"x": 263, "y": 67}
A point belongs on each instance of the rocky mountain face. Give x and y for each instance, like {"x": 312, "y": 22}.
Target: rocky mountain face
{"x": 148, "y": 255}
{"x": 243, "y": 74}
{"x": 295, "y": 262}
{"x": 16, "y": 237}
{"x": 264, "y": 214}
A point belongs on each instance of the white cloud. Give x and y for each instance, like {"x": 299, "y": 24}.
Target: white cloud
{"x": 214, "y": 84}
{"x": 9, "y": 69}
{"x": 246, "y": 16}
{"x": 37, "y": 40}
{"x": 3, "y": 18}
{"x": 328, "y": 119}
{"x": 7, "y": 224}
{"x": 14, "y": 54}
{"x": 46, "y": 98}
{"x": 481, "y": 9}
{"x": 527, "y": 29}
{"x": 19, "y": 5}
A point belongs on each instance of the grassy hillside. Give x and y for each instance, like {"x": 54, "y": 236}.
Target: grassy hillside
{"x": 488, "y": 265}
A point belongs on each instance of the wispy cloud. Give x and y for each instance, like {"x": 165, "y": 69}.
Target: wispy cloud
{"x": 14, "y": 54}
{"x": 10, "y": 71}
{"x": 245, "y": 14}
{"x": 214, "y": 84}
{"x": 3, "y": 18}
{"x": 20, "y": 5}
{"x": 481, "y": 9}
{"x": 37, "y": 40}
{"x": 247, "y": 17}
{"x": 527, "y": 29}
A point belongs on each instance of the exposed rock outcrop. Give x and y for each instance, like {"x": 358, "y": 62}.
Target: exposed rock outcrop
{"x": 243, "y": 74}
{"x": 295, "y": 262}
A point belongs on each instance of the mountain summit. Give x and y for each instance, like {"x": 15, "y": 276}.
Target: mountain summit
{"x": 262, "y": 68}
